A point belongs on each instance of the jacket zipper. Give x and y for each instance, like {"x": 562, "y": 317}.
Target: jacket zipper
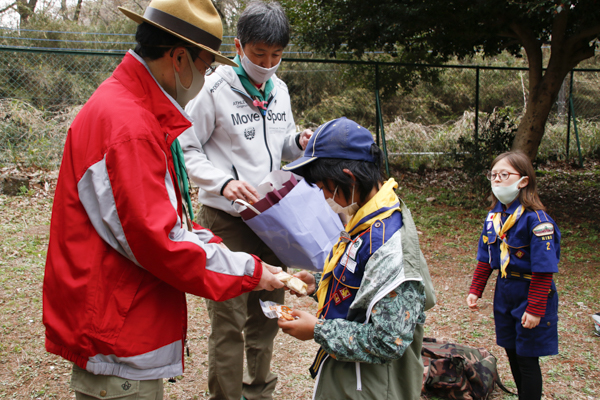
{"x": 264, "y": 126}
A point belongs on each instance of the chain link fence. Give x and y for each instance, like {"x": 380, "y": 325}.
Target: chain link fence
{"x": 42, "y": 90}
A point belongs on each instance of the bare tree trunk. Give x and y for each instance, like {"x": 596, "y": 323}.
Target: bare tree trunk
{"x": 566, "y": 53}
{"x": 77, "y": 11}
{"x": 63, "y": 9}
{"x": 25, "y": 9}
{"x": 532, "y": 126}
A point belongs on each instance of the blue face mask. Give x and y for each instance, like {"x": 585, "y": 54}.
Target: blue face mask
{"x": 507, "y": 194}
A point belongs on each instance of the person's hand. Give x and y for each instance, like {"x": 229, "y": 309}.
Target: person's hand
{"x": 302, "y": 328}
{"x": 530, "y": 321}
{"x": 305, "y": 137}
{"x": 472, "y": 302}
{"x": 268, "y": 280}
{"x": 307, "y": 278}
{"x": 240, "y": 190}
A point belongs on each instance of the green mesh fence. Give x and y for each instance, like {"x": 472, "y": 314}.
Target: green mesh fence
{"x": 41, "y": 92}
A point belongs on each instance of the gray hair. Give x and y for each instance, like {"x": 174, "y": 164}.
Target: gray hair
{"x": 263, "y": 22}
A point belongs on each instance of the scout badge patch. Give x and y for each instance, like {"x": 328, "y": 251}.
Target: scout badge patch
{"x": 544, "y": 229}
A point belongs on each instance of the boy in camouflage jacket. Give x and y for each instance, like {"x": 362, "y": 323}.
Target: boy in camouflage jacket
{"x": 375, "y": 285}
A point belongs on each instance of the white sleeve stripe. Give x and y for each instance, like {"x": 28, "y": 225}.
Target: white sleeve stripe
{"x": 96, "y": 196}
{"x": 218, "y": 259}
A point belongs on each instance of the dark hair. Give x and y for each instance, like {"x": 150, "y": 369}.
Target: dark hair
{"x": 331, "y": 171}
{"x": 263, "y": 22}
{"x": 528, "y": 196}
{"x": 154, "y": 42}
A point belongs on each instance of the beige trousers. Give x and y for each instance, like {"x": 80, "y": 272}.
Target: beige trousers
{"x": 239, "y": 325}
{"x": 88, "y": 386}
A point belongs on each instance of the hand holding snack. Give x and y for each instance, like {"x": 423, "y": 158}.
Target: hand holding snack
{"x": 309, "y": 279}
{"x": 268, "y": 280}
{"x": 275, "y": 310}
{"x": 292, "y": 283}
{"x": 302, "y": 327}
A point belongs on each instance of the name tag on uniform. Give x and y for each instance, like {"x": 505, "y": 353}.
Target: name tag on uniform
{"x": 349, "y": 258}
{"x": 349, "y": 263}
{"x": 354, "y": 248}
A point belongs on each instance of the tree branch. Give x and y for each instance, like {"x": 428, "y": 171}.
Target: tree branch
{"x": 533, "y": 49}
{"x": 508, "y": 34}
{"x": 578, "y": 54}
{"x": 587, "y": 34}
{"x": 559, "y": 28}
{"x": 8, "y": 7}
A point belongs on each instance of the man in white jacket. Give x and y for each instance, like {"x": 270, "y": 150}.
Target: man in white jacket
{"x": 243, "y": 129}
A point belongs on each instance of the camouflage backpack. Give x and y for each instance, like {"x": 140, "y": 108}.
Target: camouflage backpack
{"x": 457, "y": 371}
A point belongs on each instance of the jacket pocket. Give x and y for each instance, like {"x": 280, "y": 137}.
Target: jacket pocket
{"x": 115, "y": 293}
{"x": 103, "y": 386}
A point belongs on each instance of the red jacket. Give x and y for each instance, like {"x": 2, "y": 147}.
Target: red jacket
{"x": 119, "y": 262}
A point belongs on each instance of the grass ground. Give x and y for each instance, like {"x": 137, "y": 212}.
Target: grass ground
{"x": 449, "y": 218}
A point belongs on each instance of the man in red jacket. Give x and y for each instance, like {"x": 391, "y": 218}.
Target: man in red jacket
{"x": 121, "y": 256}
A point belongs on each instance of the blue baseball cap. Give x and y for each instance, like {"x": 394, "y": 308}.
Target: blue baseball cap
{"x": 338, "y": 138}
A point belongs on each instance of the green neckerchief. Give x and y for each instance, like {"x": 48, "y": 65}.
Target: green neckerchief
{"x": 182, "y": 176}
{"x": 249, "y": 86}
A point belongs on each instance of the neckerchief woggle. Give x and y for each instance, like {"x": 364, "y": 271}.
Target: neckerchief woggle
{"x": 381, "y": 206}
{"x": 501, "y": 234}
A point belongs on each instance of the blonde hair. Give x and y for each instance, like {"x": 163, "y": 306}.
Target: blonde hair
{"x": 528, "y": 196}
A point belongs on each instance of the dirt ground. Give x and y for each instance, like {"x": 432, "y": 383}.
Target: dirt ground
{"x": 449, "y": 233}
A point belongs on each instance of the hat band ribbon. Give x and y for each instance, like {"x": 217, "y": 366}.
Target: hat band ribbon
{"x": 182, "y": 28}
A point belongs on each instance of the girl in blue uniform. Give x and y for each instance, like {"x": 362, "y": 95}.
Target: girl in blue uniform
{"x": 523, "y": 242}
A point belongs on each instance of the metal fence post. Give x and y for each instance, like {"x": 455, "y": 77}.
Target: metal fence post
{"x": 379, "y": 119}
{"x": 377, "y": 104}
{"x": 477, "y": 106}
{"x": 569, "y": 114}
{"x": 575, "y": 128}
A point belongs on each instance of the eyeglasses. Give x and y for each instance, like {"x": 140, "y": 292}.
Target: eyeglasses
{"x": 195, "y": 53}
{"x": 209, "y": 68}
{"x": 503, "y": 175}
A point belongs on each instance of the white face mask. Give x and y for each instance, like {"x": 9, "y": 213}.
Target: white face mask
{"x": 257, "y": 73}
{"x": 349, "y": 210}
{"x": 184, "y": 95}
{"x": 507, "y": 194}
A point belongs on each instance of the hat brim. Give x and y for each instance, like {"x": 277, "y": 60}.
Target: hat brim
{"x": 299, "y": 163}
{"x": 221, "y": 59}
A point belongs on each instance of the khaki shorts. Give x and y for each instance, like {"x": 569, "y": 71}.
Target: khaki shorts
{"x": 88, "y": 386}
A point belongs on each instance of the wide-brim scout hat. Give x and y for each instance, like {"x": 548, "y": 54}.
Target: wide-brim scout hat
{"x": 340, "y": 138}
{"x": 195, "y": 21}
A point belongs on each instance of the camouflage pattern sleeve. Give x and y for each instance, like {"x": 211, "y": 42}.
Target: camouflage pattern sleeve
{"x": 389, "y": 332}
{"x": 317, "y": 276}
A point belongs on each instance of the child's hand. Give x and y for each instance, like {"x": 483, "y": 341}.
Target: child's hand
{"x": 302, "y": 328}
{"x": 472, "y": 302}
{"x": 307, "y": 278}
{"x": 530, "y": 321}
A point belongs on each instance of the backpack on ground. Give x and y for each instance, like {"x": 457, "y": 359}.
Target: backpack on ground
{"x": 457, "y": 371}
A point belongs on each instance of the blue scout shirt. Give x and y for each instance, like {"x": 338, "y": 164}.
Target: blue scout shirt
{"x": 534, "y": 241}
{"x": 348, "y": 273}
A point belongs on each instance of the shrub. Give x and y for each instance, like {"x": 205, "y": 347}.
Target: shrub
{"x": 476, "y": 153}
